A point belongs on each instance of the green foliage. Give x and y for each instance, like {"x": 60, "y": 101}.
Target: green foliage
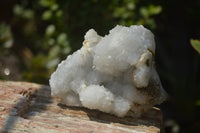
{"x": 6, "y": 39}
{"x": 45, "y": 28}
{"x": 130, "y": 12}
{"x": 195, "y": 44}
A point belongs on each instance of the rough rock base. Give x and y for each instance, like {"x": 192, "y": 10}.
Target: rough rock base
{"x": 29, "y": 107}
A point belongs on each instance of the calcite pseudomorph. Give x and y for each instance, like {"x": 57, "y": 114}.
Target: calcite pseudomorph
{"x": 113, "y": 74}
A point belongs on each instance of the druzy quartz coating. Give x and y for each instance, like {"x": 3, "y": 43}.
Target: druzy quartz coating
{"x": 114, "y": 74}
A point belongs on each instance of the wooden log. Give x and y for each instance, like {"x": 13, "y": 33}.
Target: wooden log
{"x": 29, "y": 107}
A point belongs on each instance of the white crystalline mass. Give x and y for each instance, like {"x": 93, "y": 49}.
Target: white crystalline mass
{"x": 113, "y": 74}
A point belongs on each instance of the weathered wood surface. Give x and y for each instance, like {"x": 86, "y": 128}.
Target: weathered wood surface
{"x": 28, "y": 107}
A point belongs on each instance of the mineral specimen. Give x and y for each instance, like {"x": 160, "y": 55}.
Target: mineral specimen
{"x": 113, "y": 74}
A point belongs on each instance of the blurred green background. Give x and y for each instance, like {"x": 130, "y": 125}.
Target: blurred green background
{"x": 35, "y": 35}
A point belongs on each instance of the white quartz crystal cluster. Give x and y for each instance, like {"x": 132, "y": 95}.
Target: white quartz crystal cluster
{"x": 113, "y": 74}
